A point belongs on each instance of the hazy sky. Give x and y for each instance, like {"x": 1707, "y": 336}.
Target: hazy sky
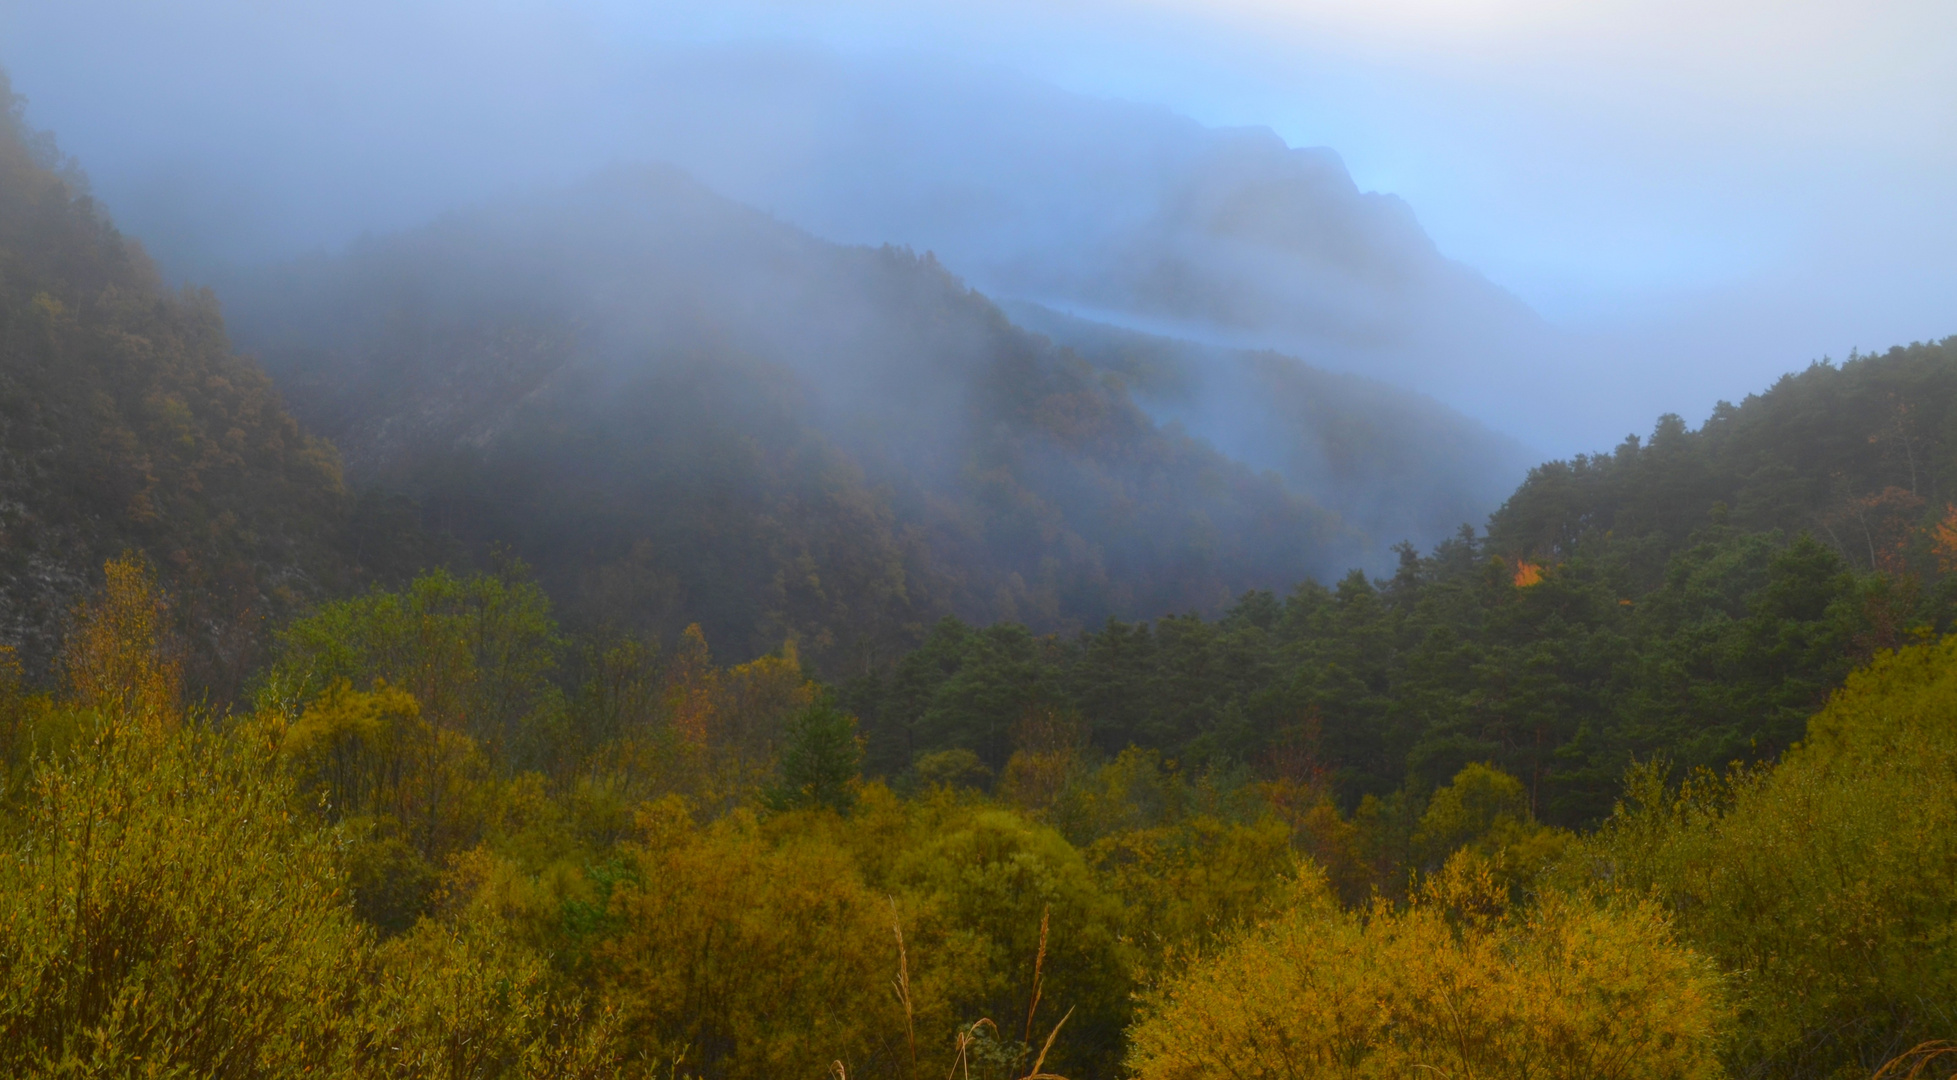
{"x": 1703, "y": 193}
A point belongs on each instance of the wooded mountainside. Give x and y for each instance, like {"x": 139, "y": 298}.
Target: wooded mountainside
{"x": 1397, "y": 466}
{"x": 127, "y": 422}
{"x": 1697, "y": 596}
{"x": 1649, "y": 779}
{"x": 680, "y": 410}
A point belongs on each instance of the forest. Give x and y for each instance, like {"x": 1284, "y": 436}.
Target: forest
{"x": 799, "y": 746}
{"x": 444, "y": 838}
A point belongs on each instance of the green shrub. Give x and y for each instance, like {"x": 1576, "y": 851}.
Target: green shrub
{"x": 1824, "y": 882}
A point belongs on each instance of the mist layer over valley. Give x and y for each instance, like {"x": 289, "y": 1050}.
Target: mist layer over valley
{"x": 1120, "y": 212}
{"x": 1125, "y": 212}
{"x": 682, "y": 410}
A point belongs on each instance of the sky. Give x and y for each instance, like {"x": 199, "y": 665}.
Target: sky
{"x": 1699, "y": 195}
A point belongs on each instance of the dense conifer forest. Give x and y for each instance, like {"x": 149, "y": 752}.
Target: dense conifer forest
{"x": 1650, "y": 777}
{"x": 1697, "y": 595}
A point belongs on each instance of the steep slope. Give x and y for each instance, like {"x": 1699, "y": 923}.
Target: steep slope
{"x": 126, "y": 422}
{"x": 679, "y": 409}
{"x": 1395, "y": 465}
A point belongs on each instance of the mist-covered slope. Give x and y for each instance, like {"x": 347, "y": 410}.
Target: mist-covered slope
{"x": 1120, "y": 211}
{"x": 1396, "y": 465}
{"x": 679, "y": 409}
{"x": 1123, "y": 212}
{"x": 127, "y": 424}
{"x": 1691, "y": 598}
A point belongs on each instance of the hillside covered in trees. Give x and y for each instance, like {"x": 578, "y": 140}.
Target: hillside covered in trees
{"x": 515, "y": 855}
{"x": 1696, "y": 595}
{"x": 127, "y": 422}
{"x": 678, "y": 410}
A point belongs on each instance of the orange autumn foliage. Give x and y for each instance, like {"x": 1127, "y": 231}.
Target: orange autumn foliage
{"x": 117, "y": 656}
{"x": 1943, "y": 540}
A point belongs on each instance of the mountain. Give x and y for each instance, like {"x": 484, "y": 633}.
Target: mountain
{"x": 1396, "y": 465}
{"x": 1121, "y": 212}
{"x": 128, "y": 424}
{"x": 679, "y": 409}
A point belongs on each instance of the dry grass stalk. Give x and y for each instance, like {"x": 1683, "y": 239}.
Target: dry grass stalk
{"x": 1918, "y": 1059}
{"x": 961, "y": 1066}
{"x": 965, "y": 1039}
{"x": 902, "y": 984}
{"x": 1039, "y": 969}
{"x": 1036, "y": 1074}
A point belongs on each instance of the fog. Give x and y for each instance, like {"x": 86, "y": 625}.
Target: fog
{"x": 1561, "y": 220}
{"x": 677, "y": 409}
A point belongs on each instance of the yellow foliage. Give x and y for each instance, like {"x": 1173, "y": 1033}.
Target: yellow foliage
{"x": 371, "y": 754}
{"x": 159, "y": 908}
{"x": 1527, "y": 573}
{"x": 1033, "y": 779}
{"x": 752, "y": 704}
{"x": 23, "y": 721}
{"x": 464, "y": 1001}
{"x": 1136, "y": 790}
{"x": 1824, "y": 881}
{"x": 689, "y": 693}
{"x": 1323, "y": 835}
{"x": 163, "y": 913}
{"x": 116, "y": 654}
{"x": 1943, "y": 539}
{"x": 984, "y": 880}
{"x": 1192, "y": 883}
{"x": 739, "y": 955}
{"x": 728, "y": 723}
{"x": 1454, "y": 984}
{"x": 1485, "y": 810}
{"x": 1047, "y": 757}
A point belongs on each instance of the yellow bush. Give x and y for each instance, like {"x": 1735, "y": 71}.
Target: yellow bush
{"x": 161, "y": 909}
{"x": 466, "y": 1001}
{"x": 984, "y": 881}
{"x": 1185, "y": 885}
{"x": 117, "y": 655}
{"x": 1454, "y": 984}
{"x": 742, "y": 955}
{"x": 164, "y": 911}
{"x": 1486, "y": 811}
{"x": 370, "y": 754}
